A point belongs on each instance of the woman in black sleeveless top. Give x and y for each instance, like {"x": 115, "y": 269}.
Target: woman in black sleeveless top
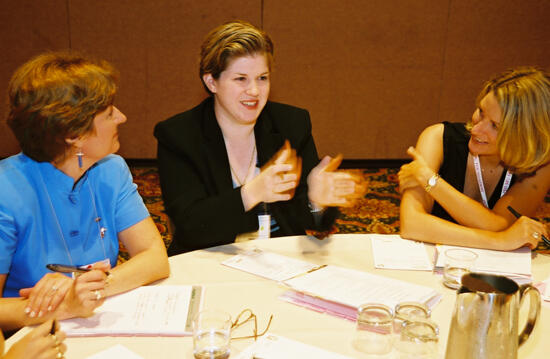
{"x": 463, "y": 177}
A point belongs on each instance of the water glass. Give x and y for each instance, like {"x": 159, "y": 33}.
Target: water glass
{"x": 211, "y": 335}
{"x": 409, "y": 311}
{"x": 418, "y": 340}
{"x": 458, "y": 261}
{"x": 374, "y": 329}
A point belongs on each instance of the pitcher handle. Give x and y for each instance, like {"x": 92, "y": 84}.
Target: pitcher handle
{"x": 534, "y": 310}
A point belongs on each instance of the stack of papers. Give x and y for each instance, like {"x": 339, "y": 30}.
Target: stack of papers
{"x": 515, "y": 265}
{"x": 273, "y": 346}
{"x": 269, "y": 265}
{"x": 148, "y": 311}
{"x": 353, "y": 288}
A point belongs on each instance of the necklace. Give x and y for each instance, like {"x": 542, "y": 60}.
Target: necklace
{"x": 239, "y": 182}
{"x": 97, "y": 219}
{"x": 481, "y": 186}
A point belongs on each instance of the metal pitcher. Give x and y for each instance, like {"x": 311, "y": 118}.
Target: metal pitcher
{"x": 485, "y": 318}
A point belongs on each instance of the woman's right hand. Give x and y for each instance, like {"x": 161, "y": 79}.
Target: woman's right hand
{"x": 522, "y": 233}
{"x": 87, "y": 293}
{"x": 277, "y": 180}
{"x": 39, "y": 344}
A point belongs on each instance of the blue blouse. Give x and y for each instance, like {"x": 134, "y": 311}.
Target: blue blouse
{"x": 44, "y": 216}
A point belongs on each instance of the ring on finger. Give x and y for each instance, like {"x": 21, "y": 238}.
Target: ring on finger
{"x": 536, "y": 235}
{"x": 55, "y": 287}
{"x": 97, "y": 294}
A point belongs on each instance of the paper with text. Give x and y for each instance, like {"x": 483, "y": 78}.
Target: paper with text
{"x": 147, "y": 311}
{"x": 497, "y": 262}
{"x": 269, "y": 265}
{"x": 273, "y": 346}
{"x": 394, "y": 252}
{"x": 353, "y": 288}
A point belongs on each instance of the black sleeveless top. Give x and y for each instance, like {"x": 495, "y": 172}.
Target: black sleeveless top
{"x": 453, "y": 168}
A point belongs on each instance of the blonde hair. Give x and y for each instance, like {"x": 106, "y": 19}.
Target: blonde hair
{"x": 523, "y": 139}
{"x": 230, "y": 40}
{"x": 56, "y": 96}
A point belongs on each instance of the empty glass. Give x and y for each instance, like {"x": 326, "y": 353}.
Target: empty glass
{"x": 418, "y": 340}
{"x": 458, "y": 261}
{"x": 374, "y": 329}
{"x": 211, "y": 335}
{"x": 409, "y": 311}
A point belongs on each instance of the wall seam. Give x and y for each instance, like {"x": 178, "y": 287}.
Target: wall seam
{"x": 262, "y": 14}
{"x": 68, "y": 7}
{"x": 441, "y": 78}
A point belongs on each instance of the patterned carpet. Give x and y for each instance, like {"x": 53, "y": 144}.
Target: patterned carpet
{"x": 377, "y": 212}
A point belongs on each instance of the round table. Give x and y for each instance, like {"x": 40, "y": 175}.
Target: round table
{"x": 232, "y": 291}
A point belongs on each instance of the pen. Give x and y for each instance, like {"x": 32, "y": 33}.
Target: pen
{"x": 63, "y": 268}
{"x": 52, "y": 331}
{"x": 517, "y": 215}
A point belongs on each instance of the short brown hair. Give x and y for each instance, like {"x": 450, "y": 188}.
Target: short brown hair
{"x": 523, "y": 139}
{"x": 56, "y": 96}
{"x": 232, "y": 39}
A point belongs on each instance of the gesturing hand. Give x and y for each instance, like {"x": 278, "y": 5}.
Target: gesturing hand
{"x": 328, "y": 187}
{"x": 277, "y": 180}
{"x": 415, "y": 173}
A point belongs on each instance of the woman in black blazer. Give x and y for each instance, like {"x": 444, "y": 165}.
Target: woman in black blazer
{"x": 236, "y": 157}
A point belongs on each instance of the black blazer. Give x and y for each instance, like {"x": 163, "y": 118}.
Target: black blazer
{"x": 196, "y": 183}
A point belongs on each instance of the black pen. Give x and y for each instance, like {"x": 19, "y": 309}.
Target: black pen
{"x": 54, "y": 324}
{"x": 63, "y": 268}
{"x": 517, "y": 215}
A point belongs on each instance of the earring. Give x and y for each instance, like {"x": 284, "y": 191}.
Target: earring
{"x": 79, "y": 154}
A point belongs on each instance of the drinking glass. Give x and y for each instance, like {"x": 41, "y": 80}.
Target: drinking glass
{"x": 408, "y": 311}
{"x": 374, "y": 329}
{"x": 458, "y": 261}
{"x": 211, "y": 335}
{"x": 418, "y": 340}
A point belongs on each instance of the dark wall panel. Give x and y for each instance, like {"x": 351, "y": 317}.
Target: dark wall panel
{"x": 364, "y": 69}
{"x": 27, "y": 28}
{"x": 155, "y": 46}
{"x": 486, "y": 38}
{"x": 372, "y": 73}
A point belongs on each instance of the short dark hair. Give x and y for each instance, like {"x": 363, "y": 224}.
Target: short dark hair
{"x": 232, "y": 39}
{"x": 56, "y": 96}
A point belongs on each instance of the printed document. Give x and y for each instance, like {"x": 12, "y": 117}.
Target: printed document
{"x": 273, "y": 346}
{"x": 147, "y": 311}
{"x": 269, "y": 265}
{"x": 496, "y": 262}
{"x": 394, "y": 252}
{"x": 353, "y": 288}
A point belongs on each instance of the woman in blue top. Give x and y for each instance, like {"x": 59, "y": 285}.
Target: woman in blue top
{"x": 66, "y": 198}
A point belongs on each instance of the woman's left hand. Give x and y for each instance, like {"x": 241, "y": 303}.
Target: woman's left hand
{"x": 47, "y": 294}
{"x": 328, "y": 187}
{"x": 39, "y": 344}
{"x": 414, "y": 174}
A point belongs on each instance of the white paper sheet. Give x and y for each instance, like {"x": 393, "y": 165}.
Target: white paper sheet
{"x": 269, "y": 265}
{"x": 150, "y": 310}
{"x": 394, "y": 252}
{"x": 497, "y": 262}
{"x": 353, "y": 287}
{"x": 116, "y": 352}
{"x": 272, "y": 346}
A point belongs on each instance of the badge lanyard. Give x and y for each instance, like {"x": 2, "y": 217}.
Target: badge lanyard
{"x": 479, "y": 177}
